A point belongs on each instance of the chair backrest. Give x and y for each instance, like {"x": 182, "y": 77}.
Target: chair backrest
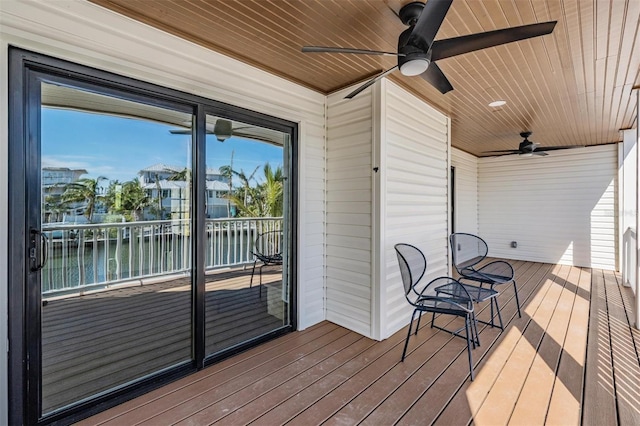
{"x": 412, "y": 263}
{"x": 269, "y": 245}
{"x": 467, "y": 250}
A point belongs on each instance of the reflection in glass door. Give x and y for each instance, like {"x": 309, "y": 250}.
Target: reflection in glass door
{"x": 115, "y": 235}
{"x": 247, "y": 233}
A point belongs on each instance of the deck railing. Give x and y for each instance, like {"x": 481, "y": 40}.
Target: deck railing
{"x": 89, "y": 256}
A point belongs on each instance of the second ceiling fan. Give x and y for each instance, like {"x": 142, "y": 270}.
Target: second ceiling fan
{"x": 528, "y": 148}
{"x": 418, "y": 51}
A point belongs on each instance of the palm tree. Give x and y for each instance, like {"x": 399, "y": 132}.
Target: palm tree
{"x": 84, "y": 191}
{"x": 183, "y": 176}
{"x": 263, "y": 200}
{"x": 246, "y": 182}
{"x": 273, "y": 190}
{"x": 159, "y": 197}
{"x": 134, "y": 198}
{"x": 227, "y": 173}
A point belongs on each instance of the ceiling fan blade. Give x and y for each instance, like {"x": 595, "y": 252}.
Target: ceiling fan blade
{"x": 424, "y": 31}
{"x": 436, "y": 78}
{"x": 510, "y": 151}
{"x": 185, "y": 132}
{"x": 555, "y": 148}
{"x": 488, "y": 153}
{"x": 252, "y": 137}
{"x": 370, "y": 82}
{"x": 322, "y": 49}
{"x": 447, "y": 48}
{"x": 538, "y": 153}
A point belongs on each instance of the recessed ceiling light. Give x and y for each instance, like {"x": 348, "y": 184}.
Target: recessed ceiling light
{"x": 497, "y": 103}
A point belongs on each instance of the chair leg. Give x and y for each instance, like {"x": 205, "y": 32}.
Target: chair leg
{"x": 406, "y": 342}
{"x": 260, "y": 292}
{"x": 476, "y": 335}
{"x": 468, "y": 327}
{"x": 418, "y": 324}
{"x": 495, "y": 299}
{"x": 492, "y": 312}
{"x": 515, "y": 289}
{"x": 253, "y": 271}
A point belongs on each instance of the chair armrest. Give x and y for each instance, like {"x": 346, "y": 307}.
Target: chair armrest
{"x": 449, "y": 301}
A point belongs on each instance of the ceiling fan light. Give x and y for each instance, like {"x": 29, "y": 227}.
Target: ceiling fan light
{"x": 414, "y": 67}
{"x": 223, "y": 129}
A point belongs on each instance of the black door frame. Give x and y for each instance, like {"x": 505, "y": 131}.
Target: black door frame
{"x": 26, "y": 71}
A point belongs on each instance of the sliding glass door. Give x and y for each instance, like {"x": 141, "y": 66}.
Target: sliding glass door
{"x": 156, "y": 233}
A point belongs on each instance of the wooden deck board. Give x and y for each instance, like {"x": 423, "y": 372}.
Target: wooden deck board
{"x": 599, "y": 407}
{"x": 539, "y": 370}
{"x": 626, "y": 370}
{"x": 565, "y": 405}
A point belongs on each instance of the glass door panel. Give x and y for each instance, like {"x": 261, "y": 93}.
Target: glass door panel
{"x": 247, "y": 233}
{"x": 116, "y": 225}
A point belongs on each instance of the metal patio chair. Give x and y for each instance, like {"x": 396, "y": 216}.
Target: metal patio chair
{"x": 468, "y": 252}
{"x": 267, "y": 249}
{"x": 442, "y": 296}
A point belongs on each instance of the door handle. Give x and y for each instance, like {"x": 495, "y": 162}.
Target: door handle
{"x": 38, "y": 249}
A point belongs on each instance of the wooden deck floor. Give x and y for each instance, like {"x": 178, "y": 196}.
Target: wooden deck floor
{"x": 572, "y": 358}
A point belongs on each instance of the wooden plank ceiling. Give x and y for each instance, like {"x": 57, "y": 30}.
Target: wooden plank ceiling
{"x": 572, "y": 87}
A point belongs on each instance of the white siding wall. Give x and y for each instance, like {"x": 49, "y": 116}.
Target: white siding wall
{"x": 413, "y": 182}
{"x": 466, "y": 191}
{"x": 81, "y": 32}
{"x": 627, "y": 203}
{"x": 560, "y": 208}
{"x": 349, "y": 196}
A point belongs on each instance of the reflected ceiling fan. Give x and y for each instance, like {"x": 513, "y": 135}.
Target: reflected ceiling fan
{"x": 418, "y": 51}
{"x": 528, "y": 148}
{"x": 223, "y": 130}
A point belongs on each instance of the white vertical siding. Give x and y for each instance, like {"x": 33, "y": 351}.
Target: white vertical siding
{"x": 85, "y": 33}
{"x": 414, "y": 197}
{"x": 349, "y": 194}
{"x": 560, "y": 208}
{"x": 465, "y": 191}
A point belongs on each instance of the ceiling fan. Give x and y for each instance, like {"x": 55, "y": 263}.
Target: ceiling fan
{"x": 223, "y": 130}
{"x": 418, "y": 51}
{"x": 528, "y": 148}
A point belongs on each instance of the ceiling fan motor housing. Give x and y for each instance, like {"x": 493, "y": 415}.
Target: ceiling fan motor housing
{"x": 413, "y": 61}
{"x": 410, "y": 12}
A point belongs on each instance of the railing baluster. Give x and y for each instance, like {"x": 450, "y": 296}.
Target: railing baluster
{"x": 118, "y": 253}
{"x": 82, "y": 276}
{"x": 132, "y": 236}
{"x": 141, "y": 251}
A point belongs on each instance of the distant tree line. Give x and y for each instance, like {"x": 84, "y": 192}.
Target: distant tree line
{"x": 252, "y": 198}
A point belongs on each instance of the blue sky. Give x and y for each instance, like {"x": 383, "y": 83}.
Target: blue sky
{"x": 117, "y": 147}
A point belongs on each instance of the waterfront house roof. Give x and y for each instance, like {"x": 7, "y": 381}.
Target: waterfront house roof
{"x": 178, "y": 184}
{"x": 170, "y": 168}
